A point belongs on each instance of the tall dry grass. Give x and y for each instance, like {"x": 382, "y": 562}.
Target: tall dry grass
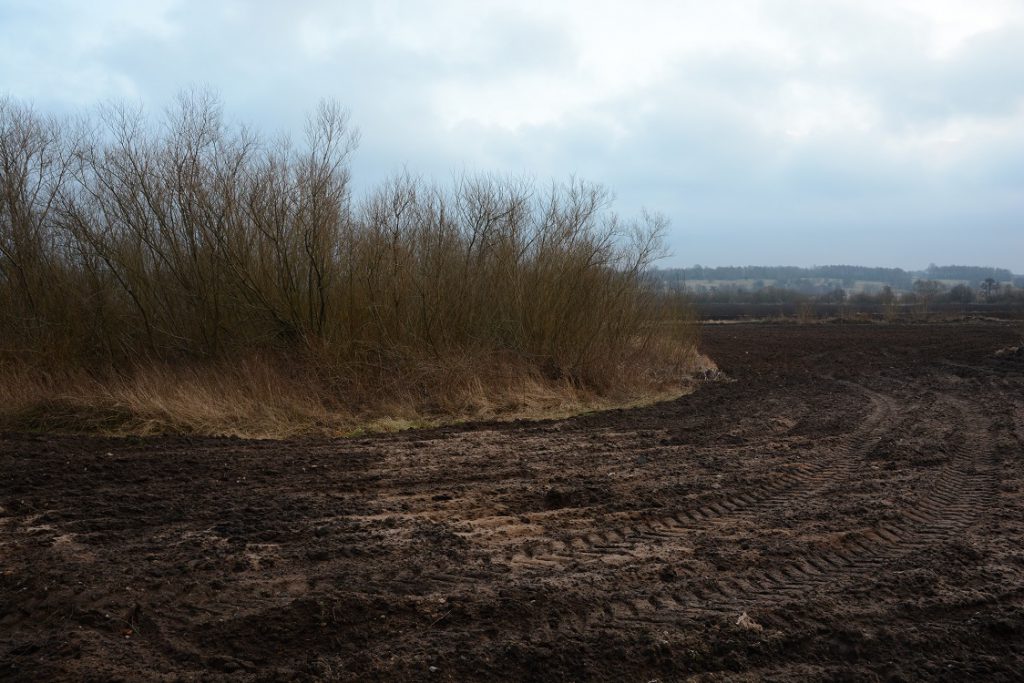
{"x": 151, "y": 271}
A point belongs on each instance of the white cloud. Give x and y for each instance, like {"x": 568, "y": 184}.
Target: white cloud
{"x": 953, "y": 22}
{"x": 729, "y": 113}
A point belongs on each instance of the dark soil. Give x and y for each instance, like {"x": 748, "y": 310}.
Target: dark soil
{"x": 857, "y": 491}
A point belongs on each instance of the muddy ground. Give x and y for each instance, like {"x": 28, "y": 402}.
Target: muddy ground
{"x": 857, "y": 491}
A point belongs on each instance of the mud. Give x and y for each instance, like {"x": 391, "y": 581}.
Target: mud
{"x": 847, "y": 505}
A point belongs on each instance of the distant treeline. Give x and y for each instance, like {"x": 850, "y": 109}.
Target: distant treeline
{"x": 813, "y": 279}
{"x": 924, "y": 292}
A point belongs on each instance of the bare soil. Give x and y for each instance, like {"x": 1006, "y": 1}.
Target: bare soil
{"x": 847, "y": 505}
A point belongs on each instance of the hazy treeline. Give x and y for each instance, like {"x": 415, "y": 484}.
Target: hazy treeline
{"x": 975, "y": 275}
{"x": 809, "y": 280}
{"x": 124, "y": 237}
{"x": 922, "y": 292}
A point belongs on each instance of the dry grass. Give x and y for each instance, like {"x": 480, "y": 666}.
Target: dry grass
{"x": 261, "y": 398}
{"x": 251, "y": 399}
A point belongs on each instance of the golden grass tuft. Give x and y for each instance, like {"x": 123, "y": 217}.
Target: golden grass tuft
{"x": 266, "y": 398}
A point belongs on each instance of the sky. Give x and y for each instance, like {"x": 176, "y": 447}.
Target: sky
{"x": 770, "y": 132}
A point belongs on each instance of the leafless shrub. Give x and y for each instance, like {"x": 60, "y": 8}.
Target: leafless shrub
{"x": 125, "y": 241}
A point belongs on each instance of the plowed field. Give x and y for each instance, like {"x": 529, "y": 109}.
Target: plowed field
{"x": 847, "y": 503}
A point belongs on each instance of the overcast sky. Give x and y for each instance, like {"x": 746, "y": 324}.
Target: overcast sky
{"x": 797, "y": 132}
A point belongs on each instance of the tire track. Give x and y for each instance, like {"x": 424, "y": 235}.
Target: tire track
{"x": 951, "y": 504}
{"x": 618, "y": 545}
{"x": 603, "y": 549}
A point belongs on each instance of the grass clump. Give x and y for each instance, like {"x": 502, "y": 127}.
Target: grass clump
{"x": 191, "y": 276}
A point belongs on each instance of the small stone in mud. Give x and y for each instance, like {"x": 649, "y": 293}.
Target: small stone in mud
{"x": 442, "y": 496}
{"x": 321, "y": 531}
{"x": 318, "y": 555}
{"x": 667, "y": 574}
{"x": 748, "y": 624}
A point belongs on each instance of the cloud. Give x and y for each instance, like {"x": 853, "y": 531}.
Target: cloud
{"x": 833, "y": 126}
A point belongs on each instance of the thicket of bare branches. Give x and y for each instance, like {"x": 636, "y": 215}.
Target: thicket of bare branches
{"x": 125, "y": 239}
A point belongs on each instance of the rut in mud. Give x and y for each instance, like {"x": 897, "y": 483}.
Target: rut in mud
{"x": 854, "y": 490}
